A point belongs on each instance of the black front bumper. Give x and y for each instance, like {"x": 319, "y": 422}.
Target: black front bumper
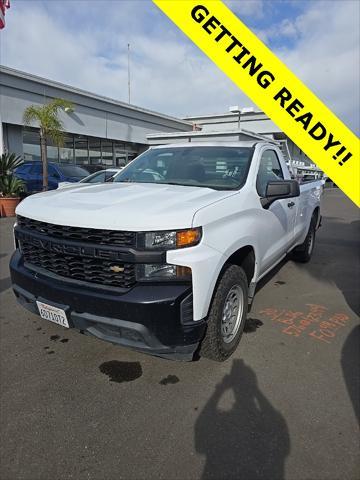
{"x": 155, "y": 319}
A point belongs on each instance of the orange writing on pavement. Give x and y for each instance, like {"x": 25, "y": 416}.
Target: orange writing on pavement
{"x": 317, "y": 322}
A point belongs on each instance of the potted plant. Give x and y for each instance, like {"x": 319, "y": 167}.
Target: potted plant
{"x": 10, "y": 186}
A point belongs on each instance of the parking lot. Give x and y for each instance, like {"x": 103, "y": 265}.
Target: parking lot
{"x": 286, "y": 405}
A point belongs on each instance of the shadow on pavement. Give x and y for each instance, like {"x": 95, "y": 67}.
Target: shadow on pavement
{"x": 336, "y": 258}
{"x": 5, "y": 283}
{"x": 249, "y": 440}
{"x": 350, "y": 362}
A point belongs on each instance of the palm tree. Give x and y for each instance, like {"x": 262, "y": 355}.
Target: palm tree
{"x": 51, "y": 127}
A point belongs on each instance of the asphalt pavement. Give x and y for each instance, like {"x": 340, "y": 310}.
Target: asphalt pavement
{"x": 285, "y": 406}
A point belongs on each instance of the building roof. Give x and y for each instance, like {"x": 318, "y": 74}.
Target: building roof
{"x": 212, "y": 136}
{"x": 68, "y": 88}
{"x": 226, "y": 115}
{"x": 255, "y": 121}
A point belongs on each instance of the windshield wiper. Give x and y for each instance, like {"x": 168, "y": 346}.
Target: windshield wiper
{"x": 186, "y": 184}
{"x": 212, "y": 187}
{"x": 128, "y": 180}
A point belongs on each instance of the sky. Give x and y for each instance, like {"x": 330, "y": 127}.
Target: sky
{"x": 84, "y": 44}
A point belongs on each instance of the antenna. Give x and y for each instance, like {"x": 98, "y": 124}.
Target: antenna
{"x": 128, "y": 46}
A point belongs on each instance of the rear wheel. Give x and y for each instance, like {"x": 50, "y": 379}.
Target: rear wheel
{"x": 303, "y": 252}
{"x": 227, "y": 315}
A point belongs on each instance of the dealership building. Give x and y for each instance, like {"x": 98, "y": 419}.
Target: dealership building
{"x": 104, "y": 131}
{"x": 100, "y": 130}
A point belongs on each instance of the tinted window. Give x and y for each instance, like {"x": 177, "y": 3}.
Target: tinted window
{"x": 52, "y": 170}
{"x": 74, "y": 171}
{"x": 213, "y": 167}
{"x": 36, "y": 169}
{"x": 23, "y": 169}
{"x": 109, "y": 175}
{"x": 269, "y": 170}
{"x": 97, "y": 177}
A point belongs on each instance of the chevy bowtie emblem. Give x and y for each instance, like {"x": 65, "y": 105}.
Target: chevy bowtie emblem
{"x": 117, "y": 269}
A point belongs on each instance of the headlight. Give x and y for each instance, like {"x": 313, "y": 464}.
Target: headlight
{"x": 172, "y": 239}
{"x": 162, "y": 272}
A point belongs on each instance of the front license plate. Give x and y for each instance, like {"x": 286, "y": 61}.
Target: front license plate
{"x": 53, "y": 314}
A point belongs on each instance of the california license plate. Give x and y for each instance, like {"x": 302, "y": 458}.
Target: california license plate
{"x": 53, "y": 314}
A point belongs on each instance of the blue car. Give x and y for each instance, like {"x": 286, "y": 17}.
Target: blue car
{"x": 31, "y": 174}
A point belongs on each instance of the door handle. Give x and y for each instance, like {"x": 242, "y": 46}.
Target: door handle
{"x": 291, "y": 204}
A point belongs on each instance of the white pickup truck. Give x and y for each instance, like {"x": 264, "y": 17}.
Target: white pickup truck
{"x": 165, "y": 259}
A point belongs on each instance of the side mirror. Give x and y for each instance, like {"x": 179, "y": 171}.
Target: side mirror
{"x": 56, "y": 175}
{"x": 277, "y": 190}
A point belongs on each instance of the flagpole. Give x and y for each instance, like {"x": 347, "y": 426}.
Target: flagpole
{"x": 128, "y": 45}
{"x": 2, "y": 143}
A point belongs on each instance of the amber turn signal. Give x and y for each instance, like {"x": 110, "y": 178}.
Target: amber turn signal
{"x": 183, "y": 272}
{"x": 187, "y": 238}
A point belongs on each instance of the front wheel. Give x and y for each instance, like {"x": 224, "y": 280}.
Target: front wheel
{"x": 227, "y": 315}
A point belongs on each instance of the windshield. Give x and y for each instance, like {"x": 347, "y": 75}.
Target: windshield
{"x": 74, "y": 171}
{"x": 220, "y": 168}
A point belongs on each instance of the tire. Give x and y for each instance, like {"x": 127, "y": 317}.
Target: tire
{"x": 303, "y": 252}
{"x": 221, "y": 340}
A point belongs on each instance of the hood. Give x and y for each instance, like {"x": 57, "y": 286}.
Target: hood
{"x": 121, "y": 206}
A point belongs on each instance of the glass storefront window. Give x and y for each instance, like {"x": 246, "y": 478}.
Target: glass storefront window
{"x": 31, "y": 144}
{"x": 67, "y": 150}
{"x": 107, "y": 153}
{"x": 120, "y": 154}
{"x": 52, "y": 152}
{"x": 132, "y": 152}
{"x": 95, "y": 151}
{"x": 131, "y": 156}
{"x": 81, "y": 150}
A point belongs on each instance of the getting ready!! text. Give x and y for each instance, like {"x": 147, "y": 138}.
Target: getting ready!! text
{"x": 232, "y": 46}
{"x": 272, "y": 86}
{"x": 264, "y": 77}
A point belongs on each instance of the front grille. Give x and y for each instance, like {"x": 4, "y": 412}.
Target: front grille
{"x": 76, "y": 266}
{"x": 91, "y": 235}
{"x": 92, "y": 270}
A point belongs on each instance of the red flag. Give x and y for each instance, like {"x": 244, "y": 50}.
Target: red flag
{"x": 4, "y": 4}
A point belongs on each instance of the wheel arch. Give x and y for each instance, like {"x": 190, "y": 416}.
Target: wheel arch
{"x": 244, "y": 257}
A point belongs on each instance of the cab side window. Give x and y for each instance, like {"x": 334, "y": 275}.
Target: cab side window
{"x": 52, "y": 171}
{"x": 269, "y": 170}
{"x": 36, "y": 169}
{"x": 23, "y": 169}
{"x": 98, "y": 178}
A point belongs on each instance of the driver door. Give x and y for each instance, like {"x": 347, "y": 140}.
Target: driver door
{"x": 278, "y": 220}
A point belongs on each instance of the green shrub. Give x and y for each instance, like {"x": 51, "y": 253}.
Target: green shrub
{"x": 8, "y": 163}
{"x": 10, "y": 186}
